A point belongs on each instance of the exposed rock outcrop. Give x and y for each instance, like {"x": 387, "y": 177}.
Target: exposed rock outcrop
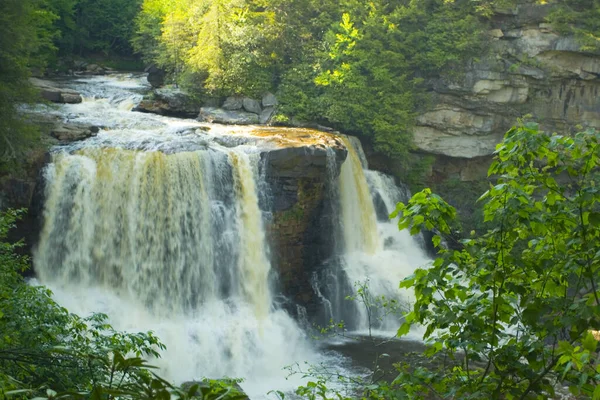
{"x": 51, "y": 92}
{"x": 169, "y": 101}
{"x": 235, "y": 110}
{"x": 73, "y": 132}
{"x": 530, "y": 69}
{"x": 298, "y": 173}
{"x": 230, "y": 117}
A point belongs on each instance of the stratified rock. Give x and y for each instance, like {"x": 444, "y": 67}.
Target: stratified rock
{"x": 221, "y": 116}
{"x": 298, "y": 174}
{"x": 530, "y": 69}
{"x": 251, "y": 105}
{"x": 73, "y": 132}
{"x": 305, "y": 161}
{"x": 269, "y": 100}
{"x": 169, "y": 101}
{"x": 49, "y": 91}
{"x": 156, "y": 76}
{"x": 233, "y": 103}
{"x": 266, "y": 115}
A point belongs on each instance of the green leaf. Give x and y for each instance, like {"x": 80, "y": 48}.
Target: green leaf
{"x": 596, "y": 394}
{"x": 589, "y": 342}
{"x": 404, "y": 329}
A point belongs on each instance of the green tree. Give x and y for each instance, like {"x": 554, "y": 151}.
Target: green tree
{"x": 104, "y": 26}
{"x": 514, "y": 307}
{"x": 25, "y": 33}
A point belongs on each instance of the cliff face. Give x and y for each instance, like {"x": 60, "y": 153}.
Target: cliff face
{"x": 530, "y": 69}
{"x": 299, "y": 232}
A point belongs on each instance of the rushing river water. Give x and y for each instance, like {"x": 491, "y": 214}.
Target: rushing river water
{"x": 158, "y": 223}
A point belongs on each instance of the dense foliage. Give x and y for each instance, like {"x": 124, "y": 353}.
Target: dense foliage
{"x": 356, "y": 65}
{"x": 23, "y": 33}
{"x": 514, "y": 307}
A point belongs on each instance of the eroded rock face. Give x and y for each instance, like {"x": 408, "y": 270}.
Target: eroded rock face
{"x": 530, "y": 70}
{"x": 51, "y": 92}
{"x": 169, "y": 101}
{"x": 298, "y": 174}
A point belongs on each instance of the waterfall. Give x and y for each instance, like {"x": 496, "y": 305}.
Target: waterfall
{"x": 174, "y": 243}
{"x": 370, "y": 250}
{"x": 358, "y": 218}
{"x": 160, "y": 224}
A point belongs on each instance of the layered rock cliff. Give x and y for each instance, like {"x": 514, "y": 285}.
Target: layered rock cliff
{"x": 530, "y": 69}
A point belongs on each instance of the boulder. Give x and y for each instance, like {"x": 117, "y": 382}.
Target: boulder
{"x": 230, "y": 117}
{"x": 95, "y": 69}
{"x": 156, "y": 76}
{"x": 169, "y": 101}
{"x": 266, "y": 115}
{"x": 70, "y": 97}
{"x": 269, "y": 100}
{"x": 73, "y": 132}
{"x": 306, "y": 161}
{"x": 49, "y": 91}
{"x": 251, "y": 105}
{"x": 233, "y": 103}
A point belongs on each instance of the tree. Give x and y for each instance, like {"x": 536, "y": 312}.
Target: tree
{"x": 514, "y": 307}
{"x": 25, "y": 33}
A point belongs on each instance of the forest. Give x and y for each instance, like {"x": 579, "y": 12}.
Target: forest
{"x": 366, "y": 69}
{"x": 360, "y": 67}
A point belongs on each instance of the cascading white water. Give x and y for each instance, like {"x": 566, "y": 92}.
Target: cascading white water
{"x": 158, "y": 225}
{"x": 371, "y": 252}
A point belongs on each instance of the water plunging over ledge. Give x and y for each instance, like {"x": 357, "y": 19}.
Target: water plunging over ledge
{"x": 161, "y": 224}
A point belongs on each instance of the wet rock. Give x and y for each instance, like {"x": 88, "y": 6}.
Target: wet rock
{"x": 156, "y": 76}
{"x": 233, "y": 103}
{"x": 230, "y": 117}
{"x": 169, "y": 101}
{"x": 305, "y": 161}
{"x": 73, "y": 132}
{"x": 49, "y": 91}
{"x": 95, "y": 69}
{"x": 251, "y": 105}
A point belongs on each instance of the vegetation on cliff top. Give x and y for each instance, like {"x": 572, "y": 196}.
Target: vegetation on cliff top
{"x": 358, "y": 66}
{"x": 361, "y": 67}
